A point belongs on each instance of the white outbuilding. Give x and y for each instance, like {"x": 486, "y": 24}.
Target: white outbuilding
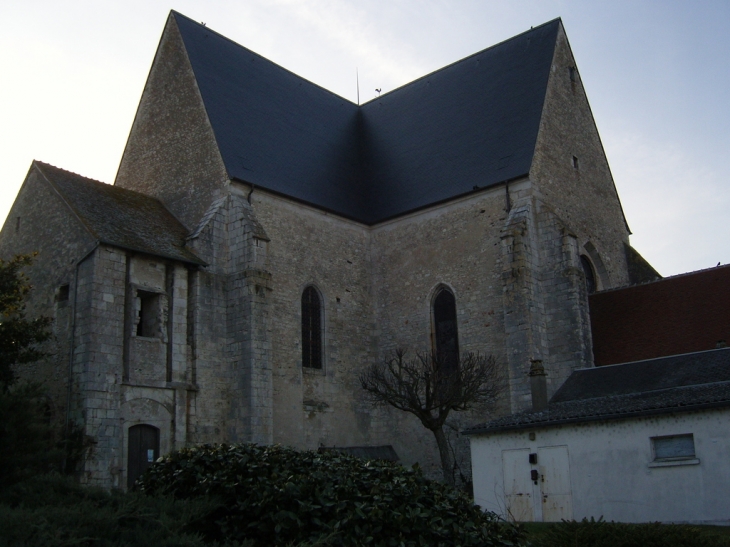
{"x": 636, "y": 442}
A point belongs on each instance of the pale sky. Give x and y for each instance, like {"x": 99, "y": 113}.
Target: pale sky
{"x": 657, "y": 74}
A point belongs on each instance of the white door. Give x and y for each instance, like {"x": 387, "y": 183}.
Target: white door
{"x": 517, "y": 485}
{"x": 557, "y": 499}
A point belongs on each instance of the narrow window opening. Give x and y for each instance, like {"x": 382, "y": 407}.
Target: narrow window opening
{"x": 573, "y": 73}
{"x": 17, "y": 224}
{"x": 575, "y": 162}
{"x": 311, "y": 329}
{"x": 446, "y": 339}
{"x": 63, "y": 292}
{"x": 148, "y": 314}
{"x": 589, "y": 275}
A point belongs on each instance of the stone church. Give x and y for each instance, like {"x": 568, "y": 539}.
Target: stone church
{"x": 265, "y": 240}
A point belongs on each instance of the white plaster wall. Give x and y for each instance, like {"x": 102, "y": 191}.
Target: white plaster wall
{"x": 610, "y": 471}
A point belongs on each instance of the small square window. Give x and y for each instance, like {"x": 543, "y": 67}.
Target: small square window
{"x": 673, "y": 447}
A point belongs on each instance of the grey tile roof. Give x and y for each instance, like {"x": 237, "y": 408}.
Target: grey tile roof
{"x": 121, "y": 217}
{"x": 678, "y": 383}
{"x": 472, "y": 123}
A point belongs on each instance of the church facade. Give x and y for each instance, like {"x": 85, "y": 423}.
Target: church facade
{"x": 265, "y": 240}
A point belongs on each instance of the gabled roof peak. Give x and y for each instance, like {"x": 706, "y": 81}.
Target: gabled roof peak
{"x": 468, "y": 126}
{"x": 120, "y": 217}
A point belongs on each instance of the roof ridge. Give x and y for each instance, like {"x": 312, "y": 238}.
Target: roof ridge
{"x": 74, "y": 210}
{"x": 665, "y": 278}
{"x": 206, "y": 27}
{"x": 651, "y": 359}
{"x": 638, "y": 393}
{"x": 43, "y": 164}
{"x": 459, "y": 61}
{"x": 107, "y": 186}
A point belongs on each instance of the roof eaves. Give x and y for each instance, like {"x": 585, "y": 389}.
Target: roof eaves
{"x": 192, "y": 259}
{"x": 597, "y": 418}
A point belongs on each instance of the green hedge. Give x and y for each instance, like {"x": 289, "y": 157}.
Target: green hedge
{"x": 275, "y": 496}
{"x": 598, "y": 533}
{"x": 53, "y": 511}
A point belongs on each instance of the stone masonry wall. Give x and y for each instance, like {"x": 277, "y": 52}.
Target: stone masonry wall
{"x": 310, "y": 247}
{"x": 582, "y": 195}
{"x": 171, "y": 152}
{"x": 98, "y": 357}
{"x": 376, "y": 285}
{"x": 40, "y": 222}
{"x": 232, "y": 347}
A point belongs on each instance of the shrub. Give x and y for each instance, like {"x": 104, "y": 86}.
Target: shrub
{"x": 53, "y": 511}
{"x": 274, "y": 496}
{"x": 598, "y": 533}
{"x": 27, "y": 438}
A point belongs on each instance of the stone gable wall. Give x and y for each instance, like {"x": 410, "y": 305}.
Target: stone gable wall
{"x": 583, "y": 197}
{"x": 171, "y": 152}
{"x": 40, "y": 222}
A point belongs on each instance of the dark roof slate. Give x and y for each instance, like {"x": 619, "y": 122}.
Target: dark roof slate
{"x": 472, "y": 123}
{"x": 121, "y": 217}
{"x": 670, "y": 384}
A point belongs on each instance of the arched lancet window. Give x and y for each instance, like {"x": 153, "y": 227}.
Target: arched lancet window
{"x": 143, "y": 448}
{"x": 446, "y": 338}
{"x": 590, "y": 275}
{"x": 311, "y": 329}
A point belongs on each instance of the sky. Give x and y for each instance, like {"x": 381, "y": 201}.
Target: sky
{"x": 657, "y": 75}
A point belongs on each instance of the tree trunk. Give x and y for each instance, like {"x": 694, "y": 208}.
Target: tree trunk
{"x": 446, "y": 464}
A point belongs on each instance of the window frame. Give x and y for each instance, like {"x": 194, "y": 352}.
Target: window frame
{"x": 145, "y": 294}
{"x": 435, "y": 344}
{"x": 672, "y": 461}
{"x": 306, "y": 361}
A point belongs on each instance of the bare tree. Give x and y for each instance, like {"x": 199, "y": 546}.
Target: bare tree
{"x": 431, "y": 385}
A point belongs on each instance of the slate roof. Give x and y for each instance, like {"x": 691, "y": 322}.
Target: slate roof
{"x": 679, "y": 383}
{"x": 121, "y": 217}
{"x": 472, "y": 123}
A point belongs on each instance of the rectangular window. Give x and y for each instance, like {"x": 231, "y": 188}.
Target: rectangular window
{"x": 673, "y": 447}
{"x": 62, "y": 294}
{"x": 148, "y": 311}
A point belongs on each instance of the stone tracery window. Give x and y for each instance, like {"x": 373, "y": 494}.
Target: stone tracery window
{"x": 446, "y": 337}
{"x": 311, "y": 329}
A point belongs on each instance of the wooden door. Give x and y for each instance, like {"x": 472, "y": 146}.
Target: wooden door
{"x": 517, "y": 485}
{"x": 143, "y": 449}
{"x": 557, "y": 498}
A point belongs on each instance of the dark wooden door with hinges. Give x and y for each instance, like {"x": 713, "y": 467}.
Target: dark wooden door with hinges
{"x": 143, "y": 449}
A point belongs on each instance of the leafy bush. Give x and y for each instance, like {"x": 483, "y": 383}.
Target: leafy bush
{"x": 598, "y": 533}
{"x": 27, "y": 439}
{"x": 274, "y": 496}
{"x": 53, "y": 511}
